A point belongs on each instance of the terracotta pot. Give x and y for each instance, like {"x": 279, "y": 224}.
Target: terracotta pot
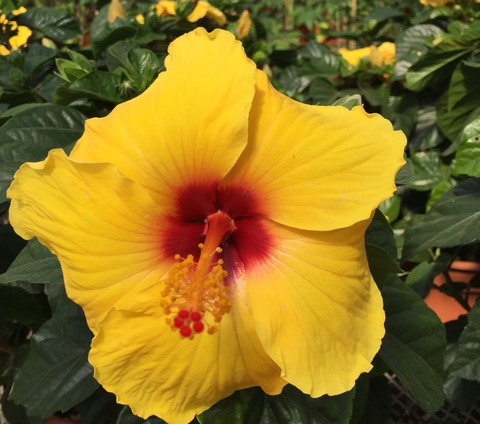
{"x": 446, "y": 307}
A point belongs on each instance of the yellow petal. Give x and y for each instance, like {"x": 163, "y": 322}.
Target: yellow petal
{"x": 4, "y": 51}
{"x": 19, "y": 11}
{"x": 314, "y": 167}
{"x": 182, "y": 135}
{"x": 104, "y": 228}
{"x": 202, "y": 9}
{"x": 116, "y": 10}
{"x": 317, "y": 311}
{"x": 166, "y": 8}
{"x": 3, "y": 19}
{"x": 138, "y": 357}
{"x": 387, "y": 50}
{"x": 375, "y": 57}
{"x": 244, "y": 24}
{"x": 21, "y": 38}
{"x": 140, "y": 19}
{"x": 354, "y": 56}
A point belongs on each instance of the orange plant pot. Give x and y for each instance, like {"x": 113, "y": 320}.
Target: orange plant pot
{"x": 446, "y": 307}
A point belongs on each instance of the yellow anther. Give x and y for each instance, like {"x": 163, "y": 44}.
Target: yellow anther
{"x": 219, "y": 250}
{"x": 177, "y": 257}
{"x": 200, "y": 245}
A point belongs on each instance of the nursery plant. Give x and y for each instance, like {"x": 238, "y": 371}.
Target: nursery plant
{"x": 231, "y": 212}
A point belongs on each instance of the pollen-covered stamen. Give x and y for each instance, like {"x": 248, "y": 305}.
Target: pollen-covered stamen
{"x": 194, "y": 290}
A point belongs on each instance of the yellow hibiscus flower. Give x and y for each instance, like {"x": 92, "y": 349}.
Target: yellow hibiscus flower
{"x": 202, "y": 9}
{"x": 354, "y": 56}
{"x": 436, "y": 3}
{"x": 20, "y": 33}
{"x": 116, "y": 10}
{"x": 383, "y": 54}
{"x": 212, "y": 229}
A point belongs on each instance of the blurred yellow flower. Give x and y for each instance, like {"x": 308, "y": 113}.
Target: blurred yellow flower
{"x": 213, "y": 231}
{"x": 19, "y": 11}
{"x": 20, "y": 33}
{"x": 436, "y": 3}
{"x": 140, "y": 19}
{"x": 202, "y": 9}
{"x": 244, "y": 24}
{"x": 383, "y": 54}
{"x": 354, "y": 56}
{"x": 116, "y": 10}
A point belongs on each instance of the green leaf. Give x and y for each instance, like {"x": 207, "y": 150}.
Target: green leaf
{"x": 391, "y": 207}
{"x": 313, "y": 49}
{"x": 29, "y": 135}
{"x": 467, "y": 159}
{"x": 17, "y": 109}
{"x": 17, "y": 304}
{"x": 405, "y": 174}
{"x": 426, "y": 135}
{"x": 99, "y": 408}
{"x": 36, "y": 57}
{"x": 413, "y": 40}
{"x": 322, "y": 92}
{"x": 291, "y": 81}
{"x": 99, "y": 85}
{"x": 467, "y": 360}
{"x": 35, "y": 264}
{"x": 439, "y": 190}
{"x": 372, "y": 402}
{"x": 376, "y": 96}
{"x": 380, "y": 263}
{"x": 428, "y": 170}
{"x": 80, "y": 60}
{"x": 453, "y": 122}
{"x": 57, "y": 375}
{"x": 349, "y": 101}
{"x": 47, "y": 88}
{"x": 436, "y": 66}
{"x": 465, "y": 80}
{"x": 104, "y": 34}
{"x": 454, "y": 219}
{"x": 55, "y": 24}
{"x": 421, "y": 277}
{"x": 406, "y": 113}
{"x": 414, "y": 343}
{"x": 380, "y": 234}
{"x": 252, "y": 406}
{"x": 126, "y": 417}
{"x": 383, "y": 13}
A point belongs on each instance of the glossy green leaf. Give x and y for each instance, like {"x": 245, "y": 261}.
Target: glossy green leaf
{"x": 453, "y": 220}
{"x": 58, "y": 357}
{"x": 406, "y": 113}
{"x": 127, "y": 417}
{"x": 375, "y": 395}
{"x": 99, "y": 408}
{"x": 349, "y": 101}
{"x": 252, "y": 406}
{"x": 405, "y": 174}
{"x": 377, "y": 96}
{"x": 465, "y": 79}
{"x": 467, "y": 359}
{"x": 391, "y": 207}
{"x": 380, "y": 234}
{"x": 436, "y": 66}
{"x": 414, "y": 343}
{"x": 17, "y": 109}
{"x": 35, "y": 264}
{"x": 322, "y": 92}
{"x": 421, "y": 277}
{"x": 291, "y": 81}
{"x": 55, "y": 24}
{"x": 439, "y": 190}
{"x": 413, "y": 40}
{"x": 313, "y": 49}
{"x": 459, "y": 391}
{"x": 380, "y": 263}
{"x": 29, "y": 136}
{"x": 428, "y": 170}
{"x": 36, "y": 57}
{"x": 383, "y": 13}
{"x": 17, "y": 304}
{"x": 467, "y": 159}
{"x": 99, "y": 85}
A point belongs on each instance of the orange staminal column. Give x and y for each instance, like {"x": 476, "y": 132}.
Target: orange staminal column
{"x": 195, "y": 297}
